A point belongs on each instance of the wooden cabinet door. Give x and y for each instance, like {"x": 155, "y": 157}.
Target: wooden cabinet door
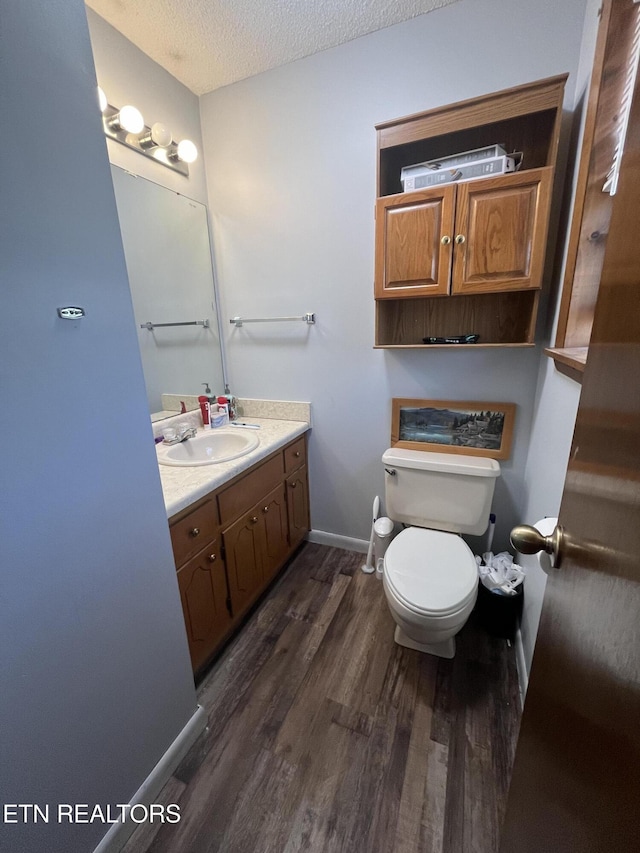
{"x": 298, "y": 506}
{"x": 276, "y": 532}
{"x": 244, "y": 549}
{"x": 411, "y": 257}
{"x": 501, "y": 232}
{"x": 203, "y": 592}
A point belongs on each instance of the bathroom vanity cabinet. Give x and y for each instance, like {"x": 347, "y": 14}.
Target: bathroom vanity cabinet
{"x": 231, "y": 544}
{"x": 466, "y": 258}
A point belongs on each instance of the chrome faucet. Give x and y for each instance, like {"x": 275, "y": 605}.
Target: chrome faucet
{"x": 184, "y": 434}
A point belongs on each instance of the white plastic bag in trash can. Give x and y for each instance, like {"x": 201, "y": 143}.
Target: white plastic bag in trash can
{"x": 498, "y": 571}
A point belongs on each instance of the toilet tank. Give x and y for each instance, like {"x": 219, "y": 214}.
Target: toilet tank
{"x": 441, "y": 491}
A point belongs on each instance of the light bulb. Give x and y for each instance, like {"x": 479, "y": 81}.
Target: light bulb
{"x": 102, "y": 100}
{"x": 187, "y": 151}
{"x": 159, "y": 136}
{"x": 129, "y": 119}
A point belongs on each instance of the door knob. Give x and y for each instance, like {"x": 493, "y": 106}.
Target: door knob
{"x": 527, "y": 540}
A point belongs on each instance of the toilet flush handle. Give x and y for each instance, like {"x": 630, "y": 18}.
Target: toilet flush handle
{"x": 527, "y": 540}
{"x": 391, "y": 471}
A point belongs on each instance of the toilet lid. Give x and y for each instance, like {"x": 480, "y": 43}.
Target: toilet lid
{"x": 431, "y": 572}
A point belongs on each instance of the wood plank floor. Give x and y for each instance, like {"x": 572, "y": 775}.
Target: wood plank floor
{"x": 324, "y": 735}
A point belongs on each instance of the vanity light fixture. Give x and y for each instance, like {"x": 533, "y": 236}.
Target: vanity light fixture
{"x": 102, "y": 100}
{"x": 186, "y": 151}
{"x": 126, "y": 126}
{"x": 127, "y": 118}
{"x": 159, "y": 136}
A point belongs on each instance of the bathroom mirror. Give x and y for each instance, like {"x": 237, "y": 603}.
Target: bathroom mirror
{"x": 168, "y": 256}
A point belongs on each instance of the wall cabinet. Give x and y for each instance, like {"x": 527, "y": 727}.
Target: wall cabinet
{"x": 469, "y": 257}
{"x": 231, "y": 545}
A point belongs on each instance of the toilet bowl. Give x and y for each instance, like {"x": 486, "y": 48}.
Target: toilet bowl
{"x": 430, "y": 574}
{"x": 431, "y": 583}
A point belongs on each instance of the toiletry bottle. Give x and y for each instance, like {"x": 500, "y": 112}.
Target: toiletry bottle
{"x": 223, "y": 406}
{"x": 233, "y": 404}
{"x": 205, "y": 410}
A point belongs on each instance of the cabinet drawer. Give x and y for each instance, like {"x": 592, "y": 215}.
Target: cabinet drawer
{"x": 191, "y": 533}
{"x": 247, "y": 491}
{"x": 295, "y": 455}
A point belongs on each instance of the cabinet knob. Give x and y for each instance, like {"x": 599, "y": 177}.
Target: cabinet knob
{"x": 297, "y": 454}
{"x": 254, "y": 520}
{"x": 292, "y": 485}
{"x": 460, "y": 239}
{"x": 194, "y": 532}
{"x": 212, "y": 558}
{"x": 445, "y": 240}
{"x": 265, "y": 509}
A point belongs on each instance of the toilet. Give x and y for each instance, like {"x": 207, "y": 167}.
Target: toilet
{"x": 430, "y": 575}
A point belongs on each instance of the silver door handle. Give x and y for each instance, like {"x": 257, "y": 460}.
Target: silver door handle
{"x": 527, "y": 540}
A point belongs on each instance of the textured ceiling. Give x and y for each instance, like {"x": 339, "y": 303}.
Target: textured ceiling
{"x": 209, "y": 43}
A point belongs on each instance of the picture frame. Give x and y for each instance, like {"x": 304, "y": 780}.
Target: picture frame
{"x": 453, "y": 426}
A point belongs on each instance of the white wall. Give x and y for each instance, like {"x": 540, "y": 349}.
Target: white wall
{"x": 557, "y": 399}
{"x": 129, "y": 76}
{"x": 291, "y": 160}
{"x": 95, "y": 673}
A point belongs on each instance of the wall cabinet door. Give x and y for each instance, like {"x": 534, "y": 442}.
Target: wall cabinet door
{"x": 414, "y": 239}
{"x": 298, "y": 506}
{"x": 203, "y": 592}
{"x": 500, "y": 232}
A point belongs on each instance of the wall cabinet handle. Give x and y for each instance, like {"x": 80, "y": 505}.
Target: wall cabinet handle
{"x": 265, "y": 509}
{"x": 195, "y": 532}
{"x": 445, "y": 240}
{"x": 254, "y": 520}
{"x": 212, "y": 558}
{"x": 460, "y": 238}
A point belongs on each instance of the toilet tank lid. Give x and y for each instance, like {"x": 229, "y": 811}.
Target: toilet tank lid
{"x": 448, "y": 463}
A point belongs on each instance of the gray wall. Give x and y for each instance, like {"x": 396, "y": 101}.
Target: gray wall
{"x": 557, "y": 399}
{"x": 95, "y": 673}
{"x": 290, "y": 162}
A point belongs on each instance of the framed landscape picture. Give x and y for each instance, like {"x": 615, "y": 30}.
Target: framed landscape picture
{"x": 451, "y": 426}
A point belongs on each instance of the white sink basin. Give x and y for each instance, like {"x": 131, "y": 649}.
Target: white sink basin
{"x": 209, "y": 447}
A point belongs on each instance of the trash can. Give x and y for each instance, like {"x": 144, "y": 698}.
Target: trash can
{"x": 383, "y": 534}
{"x": 498, "y": 612}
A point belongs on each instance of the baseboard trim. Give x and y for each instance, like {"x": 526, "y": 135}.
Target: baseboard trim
{"x": 119, "y": 833}
{"x": 521, "y": 664}
{"x": 320, "y": 537}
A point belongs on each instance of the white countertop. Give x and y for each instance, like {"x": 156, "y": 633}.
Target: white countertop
{"x": 183, "y": 486}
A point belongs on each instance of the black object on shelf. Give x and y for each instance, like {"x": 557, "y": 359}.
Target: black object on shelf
{"x": 453, "y": 339}
{"x": 499, "y": 613}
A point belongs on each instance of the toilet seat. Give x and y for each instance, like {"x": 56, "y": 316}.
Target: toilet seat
{"x": 430, "y": 572}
